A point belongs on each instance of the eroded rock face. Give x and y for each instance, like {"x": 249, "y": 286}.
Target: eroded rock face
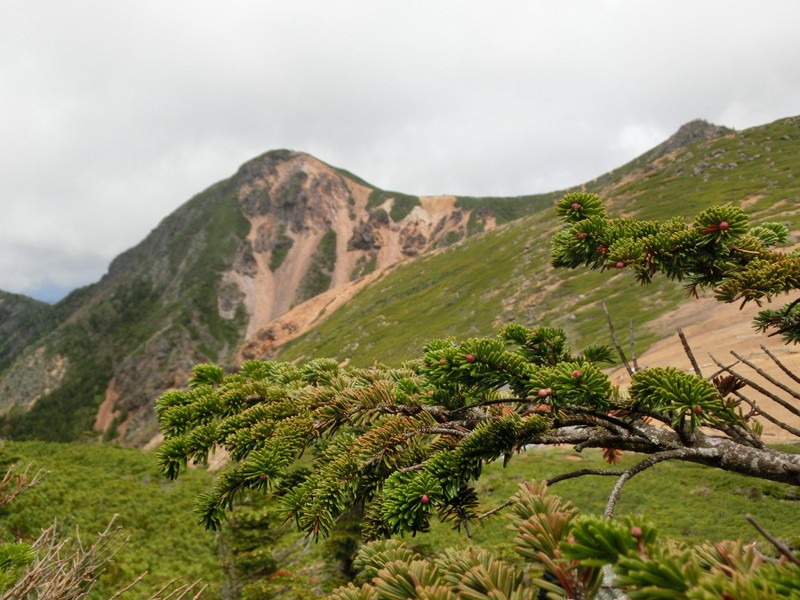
{"x": 165, "y": 362}
{"x": 313, "y": 228}
{"x": 30, "y": 378}
{"x": 363, "y": 238}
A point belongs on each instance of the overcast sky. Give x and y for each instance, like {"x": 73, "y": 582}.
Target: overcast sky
{"x": 113, "y": 113}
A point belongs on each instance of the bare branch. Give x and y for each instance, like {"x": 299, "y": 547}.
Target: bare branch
{"x": 768, "y": 377}
{"x": 633, "y": 347}
{"x": 21, "y": 482}
{"x": 681, "y": 454}
{"x": 496, "y": 509}
{"x": 64, "y": 567}
{"x": 767, "y": 416}
{"x": 128, "y": 587}
{"x": 179, "y": 592}
{"x": 689, "y": 353}
{"x": 553, "y": 480}
{"x": 774, "y": 541}
{"x": 740, "y": 434}
{"x": 578, "y": 416}
{"x": 781, "y": 365}
{"x": 581, "y": 473}
{"x": 760, "y": 389}
{"x": 615, "y": 341}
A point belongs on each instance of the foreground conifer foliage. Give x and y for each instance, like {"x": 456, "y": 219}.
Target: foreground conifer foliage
{"x": 407, "y": 443}
{"x": 562, "y": 554}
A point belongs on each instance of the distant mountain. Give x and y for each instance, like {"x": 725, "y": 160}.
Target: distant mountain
{"x": 505, "y": 274}
{"x": 291, "y": 257}
{"x": 21, "y": 320}
{"x": 208, "y": 284}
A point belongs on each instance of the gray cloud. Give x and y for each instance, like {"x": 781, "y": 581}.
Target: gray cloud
{"x": 114, "y": 113}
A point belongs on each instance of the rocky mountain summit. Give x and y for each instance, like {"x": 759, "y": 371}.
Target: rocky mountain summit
{"x": 214, "y": 281}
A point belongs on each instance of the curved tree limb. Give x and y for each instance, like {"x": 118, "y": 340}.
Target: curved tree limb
{"x": 681, "y": 454}
{"x": 554, "y": 480}
{"x": 713, "y": 451}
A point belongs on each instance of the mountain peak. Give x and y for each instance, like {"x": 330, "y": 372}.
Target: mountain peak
{"x": 698, "y": 130}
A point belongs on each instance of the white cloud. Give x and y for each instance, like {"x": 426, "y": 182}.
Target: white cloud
{"x": 114, "y": 113}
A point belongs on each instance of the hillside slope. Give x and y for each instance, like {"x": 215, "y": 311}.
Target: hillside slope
{"x": 458, "y": 292}
{"x": 293, "y": 258}
{"x": 208, "y": 284}
{"x": 22, "y": 320}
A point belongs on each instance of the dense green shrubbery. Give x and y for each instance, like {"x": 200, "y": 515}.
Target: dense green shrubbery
{"x": 88, "y": 484}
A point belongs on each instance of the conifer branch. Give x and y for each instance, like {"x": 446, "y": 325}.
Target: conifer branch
{"x": 680, "y": 454}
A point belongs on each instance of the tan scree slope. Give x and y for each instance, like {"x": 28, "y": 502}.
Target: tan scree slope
{"x": 716, "y": 329}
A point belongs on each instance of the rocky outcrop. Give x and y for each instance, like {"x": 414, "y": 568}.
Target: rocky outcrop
{"x": 32, "y": 376}
{"x": 313, "y": 228}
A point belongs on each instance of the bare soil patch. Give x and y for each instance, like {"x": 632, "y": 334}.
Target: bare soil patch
{"x": 716, "y": 329}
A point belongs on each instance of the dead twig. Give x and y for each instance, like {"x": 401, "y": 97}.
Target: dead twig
{"x": 759, "y": 411}
{"x": 769, "y": 378}
{"x": 615, "y": 341}
{"x": 774, "y": 541}
{"x": 633, "y": 347}
{"x": 689, "y": 353}
{"x": 772, "y": 396}
{"x": 782, "y": 367}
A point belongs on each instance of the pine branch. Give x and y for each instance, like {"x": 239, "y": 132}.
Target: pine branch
{"x": 680, "y": 454}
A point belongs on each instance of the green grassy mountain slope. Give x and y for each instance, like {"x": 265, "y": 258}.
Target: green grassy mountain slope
{"x": 505, "y": 275}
